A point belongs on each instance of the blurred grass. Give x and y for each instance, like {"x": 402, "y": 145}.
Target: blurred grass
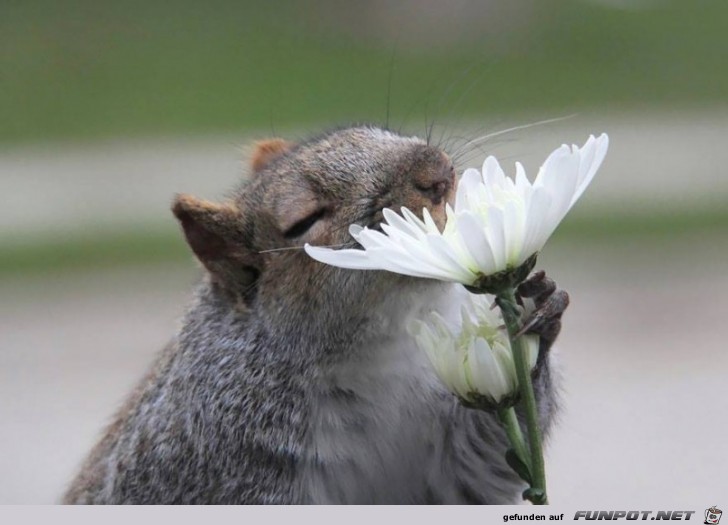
{"x": 166, "y": 246}
{"x": 97, "y": 250}
{"x": 84, "y": 69}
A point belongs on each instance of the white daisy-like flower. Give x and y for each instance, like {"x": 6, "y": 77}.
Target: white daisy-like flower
{"x": 474, "y": 359}
{"x": 498, "y": 223}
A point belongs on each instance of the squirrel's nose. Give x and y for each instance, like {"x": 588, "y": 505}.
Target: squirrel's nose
{"x": 435, "y": 183}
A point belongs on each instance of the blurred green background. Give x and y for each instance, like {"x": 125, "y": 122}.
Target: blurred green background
{"x": 109, "y": 108}
{"x": 84, "y": 69}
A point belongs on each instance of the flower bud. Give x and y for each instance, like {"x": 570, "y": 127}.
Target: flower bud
{"x": 473, "y": 358}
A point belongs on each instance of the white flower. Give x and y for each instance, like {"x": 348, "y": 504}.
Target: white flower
{"x": 497, "y": 223}
{"x": 473, "y": 359}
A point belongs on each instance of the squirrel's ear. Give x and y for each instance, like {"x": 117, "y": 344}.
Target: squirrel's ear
{"x": 266, "y": 150}
{"x": 215, "y": 234}
{"x": 206, "y": 225}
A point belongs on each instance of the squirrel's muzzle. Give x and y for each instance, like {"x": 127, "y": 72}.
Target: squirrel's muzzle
{"x": 435, "y": 178}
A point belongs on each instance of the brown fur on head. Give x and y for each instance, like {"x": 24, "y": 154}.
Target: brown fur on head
{"x": 266, "y": 150}
{"x": 310, "y": 193}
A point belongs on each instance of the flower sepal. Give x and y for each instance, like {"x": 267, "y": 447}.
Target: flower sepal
{"x": 497, "y": 283}
{"x": 487, "y": 403}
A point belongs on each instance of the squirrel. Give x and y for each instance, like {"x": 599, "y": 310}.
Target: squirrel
{"x": 294, "y": 382}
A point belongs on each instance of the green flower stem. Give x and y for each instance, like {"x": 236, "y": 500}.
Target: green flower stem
{"x": 513, "y": 431}
{"x": 507, "y": 303}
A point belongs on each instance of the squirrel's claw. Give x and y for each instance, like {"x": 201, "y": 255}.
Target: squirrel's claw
{"x": 550, "y": 304}
{"x": 537, "y": 287}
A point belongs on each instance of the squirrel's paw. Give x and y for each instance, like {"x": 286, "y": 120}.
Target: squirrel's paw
{"x": 550, "y": 303}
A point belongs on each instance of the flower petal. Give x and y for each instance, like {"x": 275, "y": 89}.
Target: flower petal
{"x": 411, "y": 228}
{"x": 493, "y": 175}
{"x": 351, "y": 259}
{"x": 472, "y": 235}
{"x": 534, "y": 238}
{"x": 386, "y": 259}
{"x": 513, "y": 222}
{"x": 355, "y": 230}
{"x": 429, "y": 221}
{"x": 372, "y": 238}
{"x": 590, "y": 163}
{"x": 496, "y": 238}
{"x": 468, "y": 185}
{"x": 442, "y": 250}
{"x": 491, "y": 379}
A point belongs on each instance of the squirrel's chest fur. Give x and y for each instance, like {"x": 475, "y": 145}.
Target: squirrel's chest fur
{"x": 376, "y": 421}
{"x": 371, "y": 431}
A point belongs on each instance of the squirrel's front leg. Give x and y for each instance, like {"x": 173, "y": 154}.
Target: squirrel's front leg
{"x": 548, "y": 305}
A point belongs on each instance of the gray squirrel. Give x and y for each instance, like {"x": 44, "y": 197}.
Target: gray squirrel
{"x": 293, "y": 382}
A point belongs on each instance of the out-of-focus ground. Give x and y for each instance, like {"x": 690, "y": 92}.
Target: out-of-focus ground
{"x": 642, "y": 349}
{"x": 658, "y": 162}
{"x": 644, "y": 359}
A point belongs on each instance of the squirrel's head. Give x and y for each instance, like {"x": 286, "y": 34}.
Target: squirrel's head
{"x": 311, "y": 192}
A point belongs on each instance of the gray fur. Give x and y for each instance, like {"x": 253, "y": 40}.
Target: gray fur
{"x": 304, "y": 386}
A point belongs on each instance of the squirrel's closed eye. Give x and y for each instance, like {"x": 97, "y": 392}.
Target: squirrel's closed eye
{"x": 305, "y": 224}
